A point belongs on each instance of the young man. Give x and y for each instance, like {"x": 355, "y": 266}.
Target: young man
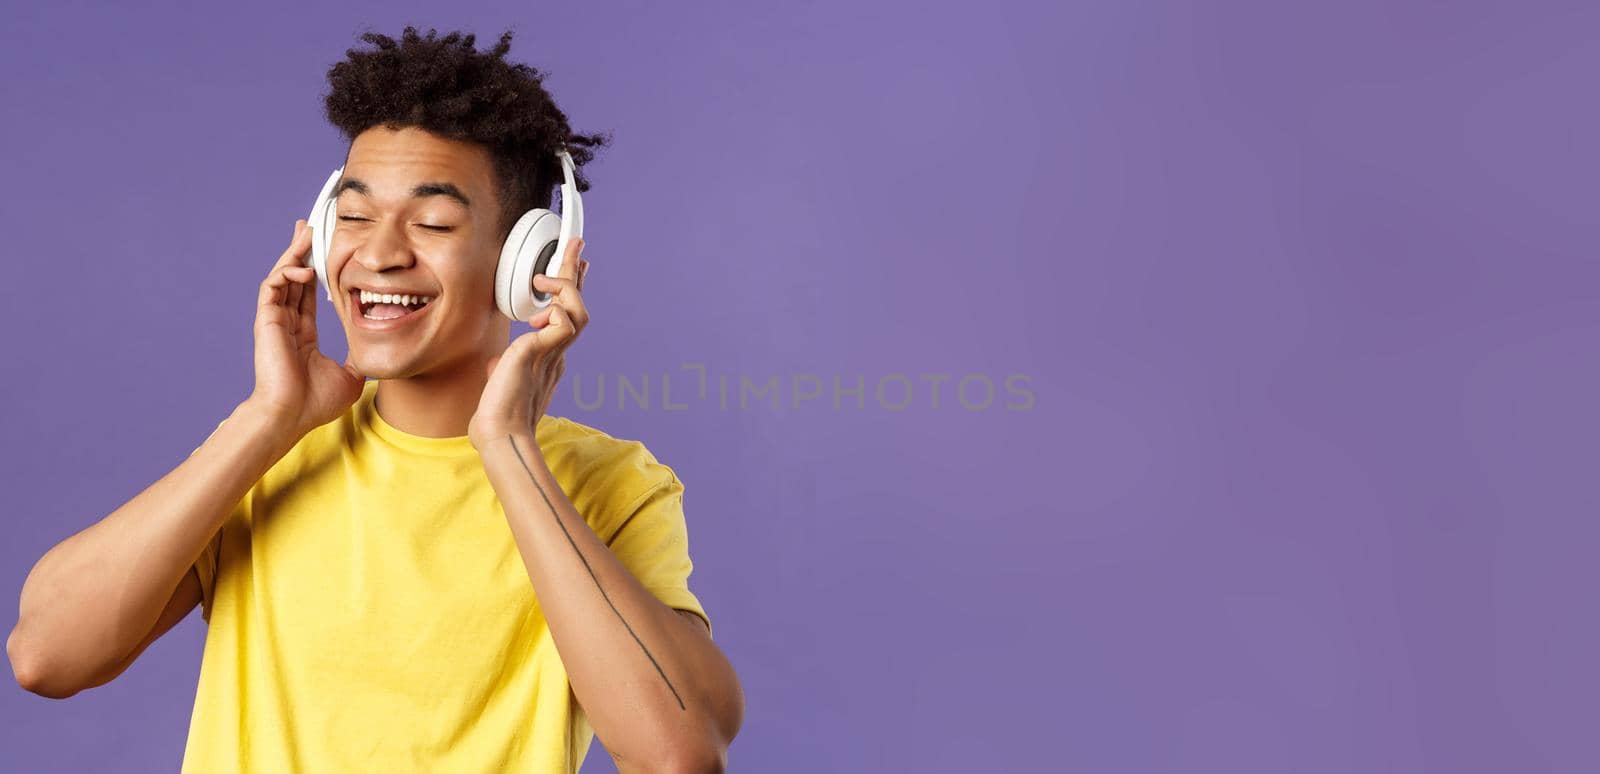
{"x": 423, "y": 572}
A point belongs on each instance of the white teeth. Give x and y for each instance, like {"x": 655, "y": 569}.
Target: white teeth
{"x": 368, "y": 297}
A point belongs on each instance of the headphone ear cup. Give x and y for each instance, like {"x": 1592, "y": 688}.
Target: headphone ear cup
{"x": 321, "y": 241}
{"x": 321, "y": 221}
{"x": 540, "y": 264}
{"x": 528, "y": 250}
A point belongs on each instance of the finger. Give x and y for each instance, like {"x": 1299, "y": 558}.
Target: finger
{"x": 298, "y": 277}
{"x": 308, "y": 297}
{"x": 583, "y": 271}
{"x": 298, "y": 248}
{"x": 569, "y": 266}
{"x": 291, "y": 293}
{"x": 551, "y": 319}
{"x": 554, "y": 285}
{"x": 556, "y": 331}
{"x": 283, "y": 276}
{"x": 275, "y": 288}
{"x": 565, "y": 294}
{"x": 559, "y": 333}
{"x": 567, "y": 274}
{"x": 541, "y": 318}
{"x": 303, "y": 298}
{"x": 524, "y": 351}
{"x": 577, "y": 314}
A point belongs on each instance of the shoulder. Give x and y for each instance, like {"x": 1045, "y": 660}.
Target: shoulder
{"x": 594, "y": 451}
{"x": 615, "y": 472}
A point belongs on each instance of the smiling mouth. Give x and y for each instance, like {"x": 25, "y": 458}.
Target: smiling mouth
{"x": 373, "y": 306}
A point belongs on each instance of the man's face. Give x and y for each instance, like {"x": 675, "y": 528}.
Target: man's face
{"x": 403, "y": 227}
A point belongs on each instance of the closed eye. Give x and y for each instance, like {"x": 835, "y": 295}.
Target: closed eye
{"x": 419, "y": 225}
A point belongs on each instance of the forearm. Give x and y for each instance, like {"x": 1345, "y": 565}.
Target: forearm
{"x": 648, "y": 678}
{"x": 93, "y": 597}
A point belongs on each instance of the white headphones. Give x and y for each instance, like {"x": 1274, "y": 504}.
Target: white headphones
{"x": 536, "y": 245}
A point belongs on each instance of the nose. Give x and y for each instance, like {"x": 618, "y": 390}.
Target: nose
{"x": 384, "y": 248}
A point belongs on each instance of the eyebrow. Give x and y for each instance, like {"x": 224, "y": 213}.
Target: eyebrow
{"x": 422, "y": 190}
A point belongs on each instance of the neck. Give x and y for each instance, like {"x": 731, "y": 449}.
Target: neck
{"x": 434, "y": 405}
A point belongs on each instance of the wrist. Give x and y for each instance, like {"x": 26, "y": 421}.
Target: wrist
{"x": 266, "y": 424}
{"x": 492, "y": 440}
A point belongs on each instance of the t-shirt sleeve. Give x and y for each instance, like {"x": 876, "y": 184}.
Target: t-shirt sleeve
{"x": 653, "y": 541}
{"x": 205, "y": 567}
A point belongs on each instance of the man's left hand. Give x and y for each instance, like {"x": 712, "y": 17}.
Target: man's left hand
{"x": 523, "y": 378}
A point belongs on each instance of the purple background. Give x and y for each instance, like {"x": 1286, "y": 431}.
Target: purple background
{"x": 1306, "y": 296}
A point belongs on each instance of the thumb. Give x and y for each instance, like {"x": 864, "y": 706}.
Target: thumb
{"x": 489, "y": 370}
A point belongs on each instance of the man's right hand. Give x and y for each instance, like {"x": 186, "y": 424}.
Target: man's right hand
{"x": 296, "y": 384}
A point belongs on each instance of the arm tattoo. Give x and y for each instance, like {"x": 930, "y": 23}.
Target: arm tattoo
{"x": 592, "y": 576}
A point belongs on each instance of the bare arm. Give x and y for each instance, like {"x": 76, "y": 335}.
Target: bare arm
{"x": 660, "y": 694}
{"x": 96, "y": 600}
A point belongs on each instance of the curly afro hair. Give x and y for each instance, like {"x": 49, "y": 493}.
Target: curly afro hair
{"x": 445, "y": 86}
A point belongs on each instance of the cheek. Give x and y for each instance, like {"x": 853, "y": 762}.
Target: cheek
{"x": 471, "y": 281}
{"x": 469, "y": 302}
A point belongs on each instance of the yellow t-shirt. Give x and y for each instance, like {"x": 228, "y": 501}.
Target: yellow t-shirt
{"x": 368, "y": 609}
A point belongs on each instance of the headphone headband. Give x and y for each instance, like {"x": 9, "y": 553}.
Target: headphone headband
{"x": 566, "y": 166}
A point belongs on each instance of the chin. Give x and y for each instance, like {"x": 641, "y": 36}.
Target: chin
{"x": 382, "y": 367}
